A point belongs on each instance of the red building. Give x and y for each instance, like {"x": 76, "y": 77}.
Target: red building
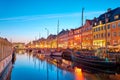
{"x": 77, "y": 38}
{"x": 87, "y": 40}
{"x": 71, "y": 39}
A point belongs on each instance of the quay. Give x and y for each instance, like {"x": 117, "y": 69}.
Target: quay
{"x": 6, "y": 53}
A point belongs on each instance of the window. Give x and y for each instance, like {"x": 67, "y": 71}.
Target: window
{"x": 108, "y": 26}
{"x": 94, "y": 30}
{"x": 100, "y": 22}
{"x": 108, "y": 34}
{"x": 114, "y": 34}
{"x": 98, "y": 28}
{"x": 119, "y": 33}
{"x": 119, "y": 24}
{"x": 114, "y": 42}
{"x": 108, "y": 43}
{"x": 116, "y": 17}
{"x": 107, "y": 19}
{"x": 101, "y": 27}
{"x": 102, "y": 35}
{"x": 104, "y": 27}
{"x": 95, "y": 23}
{"x": 113, "y": 25}
{"x": 99, "y": 35}
{"x": 94, "y": 36}
{"x": 119, "y": 41}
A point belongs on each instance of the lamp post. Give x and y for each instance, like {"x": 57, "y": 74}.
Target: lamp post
{"x": 47, "y": 35}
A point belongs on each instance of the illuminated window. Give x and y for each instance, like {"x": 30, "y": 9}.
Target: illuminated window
{"x": 116, "y": 17}
{"x": 95, "y": 24}
{"x": 113, "y": 26}
{"x": 100, "y": 22}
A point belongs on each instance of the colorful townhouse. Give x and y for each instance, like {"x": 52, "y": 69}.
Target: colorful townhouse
{"x": 77, "y": 38}
{"x": 71, "y": 39}
{"x": 87, "y": 37}
{"x": 106, "y": 29}
{"x": 63, "y": 39}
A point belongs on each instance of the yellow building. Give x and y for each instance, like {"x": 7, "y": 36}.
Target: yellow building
{"x": 106, "y": 29}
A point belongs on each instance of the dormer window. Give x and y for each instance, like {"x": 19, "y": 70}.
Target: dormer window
{"x": 100, "y": 22}
{"x": 107, "y": 20}
{"x": 116, "y": 17}
{"x": 95, "y": 23}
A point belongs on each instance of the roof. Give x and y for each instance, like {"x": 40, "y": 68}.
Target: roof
{"x": 107, "y": 15}
{"x": 63, "y": 32}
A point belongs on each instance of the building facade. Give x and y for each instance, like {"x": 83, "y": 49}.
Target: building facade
{"x": 77, "y": 38}
{"x": 87, "y": 37}
{"x": 106, "y": 30}
{"x": 71, "y": 39}
{"x": 63, "y": 39}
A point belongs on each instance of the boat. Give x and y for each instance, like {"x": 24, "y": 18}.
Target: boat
{"x": 57, "y": 53}
{"x": 66, "y": 54}
{"x": 6, "y": 54}
{"x": 98, "y": 62}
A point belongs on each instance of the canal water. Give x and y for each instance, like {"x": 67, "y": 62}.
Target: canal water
{"x": 29, "y": 67}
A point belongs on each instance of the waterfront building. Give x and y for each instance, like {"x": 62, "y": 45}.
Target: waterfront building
{"x": 52, "y": 42}
{"x": 106, "y": 29}
{"x": 77, "y": 38}
{"x": 87, "y": 40}
{"x": 42, "y": 42}
{"x": 19, "y": 45}
{"x": 71, "y": 39}
{"x": 5, "y": 53}
{"x": 63, "y": 39}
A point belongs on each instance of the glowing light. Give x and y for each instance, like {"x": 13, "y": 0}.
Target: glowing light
{"x": 77, "y": 69}
{"x": 78, "y": 74}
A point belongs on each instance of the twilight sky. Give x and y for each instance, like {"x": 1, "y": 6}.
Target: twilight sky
{"x": 25, "y": 20}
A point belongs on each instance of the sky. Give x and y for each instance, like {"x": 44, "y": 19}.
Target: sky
{"x": 26, "y": 20}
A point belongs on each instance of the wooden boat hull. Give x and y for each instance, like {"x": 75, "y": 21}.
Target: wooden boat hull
{"x": 98, "y": 65}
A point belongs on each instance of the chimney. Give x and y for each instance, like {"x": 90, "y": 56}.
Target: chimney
{"x": 109, "y": 9}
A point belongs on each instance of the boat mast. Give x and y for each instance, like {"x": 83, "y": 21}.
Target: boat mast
{"x": 82, "y": 25}
{"x": 106, "y": 35}
{"x": 57, "y": 33}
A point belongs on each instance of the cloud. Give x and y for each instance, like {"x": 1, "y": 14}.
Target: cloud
{"x": 50, "y": 16}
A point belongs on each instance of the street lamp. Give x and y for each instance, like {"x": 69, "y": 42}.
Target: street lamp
{"x": 47, "y": 32}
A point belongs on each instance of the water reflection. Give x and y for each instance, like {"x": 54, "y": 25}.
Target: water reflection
{"x": 78, "y": 74}
{"x": 7, "y": 73}
{"x": 30, "y": 67}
